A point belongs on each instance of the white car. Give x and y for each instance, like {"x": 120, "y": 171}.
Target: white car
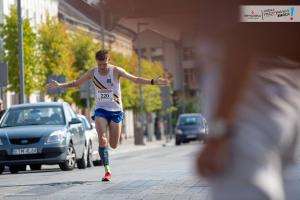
{"x": 93, "y": 142}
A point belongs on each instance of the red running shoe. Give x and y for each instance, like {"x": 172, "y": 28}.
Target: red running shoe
{"x": 107, "y": 177}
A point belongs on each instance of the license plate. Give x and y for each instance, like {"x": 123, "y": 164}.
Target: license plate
{"x": 191, "y": 136}
{"x": 24, "y": 151}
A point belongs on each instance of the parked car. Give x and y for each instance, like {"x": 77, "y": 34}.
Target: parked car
{"x": 190, "y": 127}
{"x": 41, "y": 133}
{"x": 92, "y": 141}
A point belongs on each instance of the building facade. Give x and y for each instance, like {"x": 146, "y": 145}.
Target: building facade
{"x": 83, "y": 14}
{"x": 156, "y": 47}
{"x": 177, "y": 56}
{"x": 36, "y": 11}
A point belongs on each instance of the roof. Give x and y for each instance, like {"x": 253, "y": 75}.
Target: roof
{"x": 153, "y": 8}
{"x": 72, "y": 13}
{"x": 90, "y": 15}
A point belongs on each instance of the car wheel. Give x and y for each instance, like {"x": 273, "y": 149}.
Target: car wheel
{"x": 90, "y": 156}
{"x": 2, "y": 167}
{"x": 35, "y": 167}
{"x": 177, "y": 142}
{"x": 69, "y": 164}
{"x": 97, "y": 163}
{"x": 82, "y": 163}
{"x": 14, "y": 169}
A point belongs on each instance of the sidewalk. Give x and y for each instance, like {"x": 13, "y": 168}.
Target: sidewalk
{"x": 128, "y": 145}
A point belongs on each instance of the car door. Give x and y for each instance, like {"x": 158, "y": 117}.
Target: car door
{"x": 94, "y": 137}
{"x": 77, "y": 132}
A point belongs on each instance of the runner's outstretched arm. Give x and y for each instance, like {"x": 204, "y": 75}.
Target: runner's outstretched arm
{"x": 76, "y": 83}
{"x": 139, "y": 80}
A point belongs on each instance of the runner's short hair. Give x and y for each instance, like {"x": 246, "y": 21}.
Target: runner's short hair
{"x": 101, "y": 55}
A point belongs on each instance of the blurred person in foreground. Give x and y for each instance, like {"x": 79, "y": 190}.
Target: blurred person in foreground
{"x": 252, "y": 95}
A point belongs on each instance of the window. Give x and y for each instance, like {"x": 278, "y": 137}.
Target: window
{"x": 143, "y": 53}
{"x": 27, "y": 14}
{"x": 190, "y": 78}
{"x": 191, "y": 120}
{"x": 85, "y": 123}
{"x": 157, "y": 54}
{"x": 35, "y": 115}
{"x": 188, "y": 53}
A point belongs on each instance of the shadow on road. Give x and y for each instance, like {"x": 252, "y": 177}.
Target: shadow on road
{"x": 69, "y": 183}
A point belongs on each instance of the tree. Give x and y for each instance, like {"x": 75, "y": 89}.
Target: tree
{"x": 152, "y": 95}
{"x": 56, "y": 52}
{"x": 33, "y": 72}
{"x": 129, "y": 90}
{"x": 84, "y": 48}
{"x": 186, "y": 105}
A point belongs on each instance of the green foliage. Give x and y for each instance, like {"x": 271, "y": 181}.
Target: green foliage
{"x": 186, "y": 105}
{"x": 33, "y": 72}
{"x": 84, "y": 48}
{"x": 129, "y": 89}
{"x": 56, "y": 52}
{"x": 59, "y": 51}
{"x": 151, "y": 94}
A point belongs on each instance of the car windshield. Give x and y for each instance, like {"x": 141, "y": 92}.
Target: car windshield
{"x": 35, "y": 115}
{"x": 190, "y": 120}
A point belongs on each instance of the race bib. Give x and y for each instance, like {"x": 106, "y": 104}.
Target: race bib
{"x": 105, "y": 95}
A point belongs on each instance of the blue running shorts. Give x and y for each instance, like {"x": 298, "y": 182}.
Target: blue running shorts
{"x": 115, "y": 116}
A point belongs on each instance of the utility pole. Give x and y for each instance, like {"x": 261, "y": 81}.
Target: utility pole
{"x": 88, "y": 104}
{"x": 102, "y": 8}
{"x": 21, "y": 58}
{"x": 139, "y": 24}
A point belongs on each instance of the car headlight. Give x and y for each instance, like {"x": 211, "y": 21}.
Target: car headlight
{"x": 178, "y": 131}
{"x": 1, "y": 143}
{"x": 56, "y": 137}
{"x": 201, "y": 130}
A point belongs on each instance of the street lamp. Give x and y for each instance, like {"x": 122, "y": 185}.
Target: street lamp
{"x": 139, "y": 24}
{"x": 21, "y": 60}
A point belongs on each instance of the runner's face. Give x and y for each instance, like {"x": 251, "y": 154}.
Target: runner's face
{"x": 102, "y": 64}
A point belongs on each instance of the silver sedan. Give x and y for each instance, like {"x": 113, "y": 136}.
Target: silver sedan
{"x": 91, "y": 135}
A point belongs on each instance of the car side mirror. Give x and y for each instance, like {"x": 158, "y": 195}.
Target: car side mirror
{"x": 74, "y": 121}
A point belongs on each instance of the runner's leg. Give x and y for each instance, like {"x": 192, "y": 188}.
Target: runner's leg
{"x": 114, "y": 134}
{"x": 101, "y": 127}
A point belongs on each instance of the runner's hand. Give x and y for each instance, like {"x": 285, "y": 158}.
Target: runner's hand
{"x": 53, "y": 85}
{"x": 212, "y": 159}
{"x": 161, "y": 81}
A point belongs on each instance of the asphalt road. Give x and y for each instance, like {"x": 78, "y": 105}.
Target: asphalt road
{"x": 154, "y": 173}
{"x": 151, "y": 172}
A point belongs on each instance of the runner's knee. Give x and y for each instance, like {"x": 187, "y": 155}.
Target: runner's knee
{"x": 113, "y": 145}
{"x": 102, "y": 141}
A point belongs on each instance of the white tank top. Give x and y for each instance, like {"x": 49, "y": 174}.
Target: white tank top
{"x": 107, "y": 91}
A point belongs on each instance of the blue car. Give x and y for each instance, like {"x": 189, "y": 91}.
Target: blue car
{"x": 41, "y": 133}
{"x": 189, "y": 127}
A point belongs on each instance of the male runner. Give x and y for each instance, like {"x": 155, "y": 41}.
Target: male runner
{"x": 108, "y": 108}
